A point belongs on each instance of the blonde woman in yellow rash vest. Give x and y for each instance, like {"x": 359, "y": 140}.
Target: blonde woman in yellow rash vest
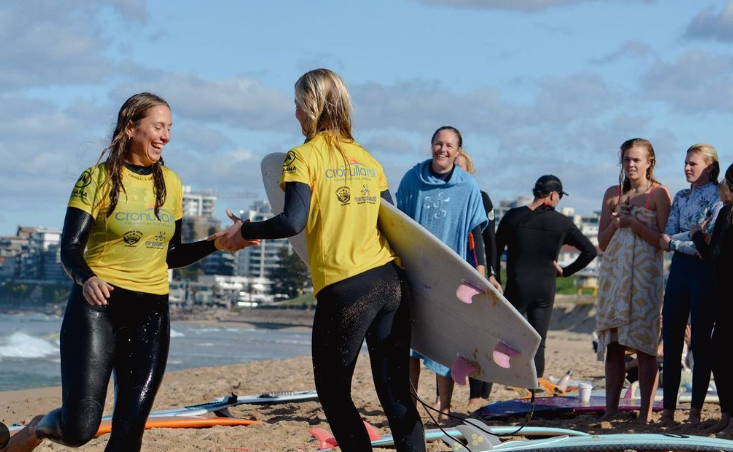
{"x": 333, "y": 188}
{"x": 122, "y": 232}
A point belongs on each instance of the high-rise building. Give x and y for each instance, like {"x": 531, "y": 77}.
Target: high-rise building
{"x": 259, "y": 261}
{"x": 39, "y": 257}
{"x": 198, "y": 203}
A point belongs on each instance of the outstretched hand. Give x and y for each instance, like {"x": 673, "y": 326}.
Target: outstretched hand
{"x": 230, "y": 239}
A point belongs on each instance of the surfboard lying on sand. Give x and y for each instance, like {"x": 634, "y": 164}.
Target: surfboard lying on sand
{"x": 458, "y": 318}
{"x": 326, "y": 441}
{"x": 555, "y": 406}
{"x": 608, "y": 443}
{"x": 219, "y": 405}
{"x": 172, "y": 422}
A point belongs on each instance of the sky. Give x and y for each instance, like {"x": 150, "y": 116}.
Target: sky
{"x": 535, "y": 86}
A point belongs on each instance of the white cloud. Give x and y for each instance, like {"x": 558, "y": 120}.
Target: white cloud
{"x": 46, "y": 42}
{"x": 697, "y": 82}
{"x": 630, "y": 49}
{"x": 712, "y": 24}
{"x": 513, "y": 5}
{"x": 242, "y": 102}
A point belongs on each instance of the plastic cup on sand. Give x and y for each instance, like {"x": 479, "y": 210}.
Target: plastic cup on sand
{"x": 584, "y": 390}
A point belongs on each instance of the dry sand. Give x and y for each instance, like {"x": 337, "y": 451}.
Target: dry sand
{"x": 286, "y": 426}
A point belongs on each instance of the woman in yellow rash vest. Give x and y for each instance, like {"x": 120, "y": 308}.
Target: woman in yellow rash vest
{"x": 126, "y": 212}
{"x": 332, "y": 190}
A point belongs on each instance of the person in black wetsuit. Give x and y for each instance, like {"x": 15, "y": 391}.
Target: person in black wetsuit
{"x": 332, "y": 191}
{"x": 720, "y": 252}
{"x": 533, "y": 236}
{"x": 126, "y": 213}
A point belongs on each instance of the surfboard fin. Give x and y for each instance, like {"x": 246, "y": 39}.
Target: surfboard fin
{"x": 466, "y": 292}
{"x": 325, "y": 440}
{"x": 503, "y": 353}
{"x": 461, "y": 368}
{"x": 477, "y": 439}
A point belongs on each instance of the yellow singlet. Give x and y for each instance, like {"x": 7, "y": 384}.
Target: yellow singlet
{"x": 129, "y": 248}
{"x": 342, "y": 235}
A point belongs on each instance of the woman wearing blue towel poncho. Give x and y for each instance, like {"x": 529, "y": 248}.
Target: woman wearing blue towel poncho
{"x": 446, "y": 201}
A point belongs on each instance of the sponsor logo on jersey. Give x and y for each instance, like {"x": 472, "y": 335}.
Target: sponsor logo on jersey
{"x": 79, "y": 190}
{"x": 158, "y": 241}
{"x": 355, "y": 170}
{"x": 366, "y": 196}
{"x": 288, "y": 166}
{"x": 132, "y": 237}
{"x": 84, "y": 180}
{"x": 146, "y": 216}
{"x": 343, "y": 194}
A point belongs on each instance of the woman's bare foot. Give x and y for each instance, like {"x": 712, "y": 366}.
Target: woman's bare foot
{"x": 668, "y": 417}
{"x": 475, "y": 403}
{"x": 26, "y": 439}
{"x": 694, "y": 417}
{"x": 444, "y": 415}
{"x": 607, "y": 416}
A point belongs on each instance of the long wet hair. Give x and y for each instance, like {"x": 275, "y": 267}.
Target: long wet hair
{"x": 133, "y": 110}
{"x": 710, "y": 155}
{"x": 323, "y": 97}
{"x": 624, "y": 181}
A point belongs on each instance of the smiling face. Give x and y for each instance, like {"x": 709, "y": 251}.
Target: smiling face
{"x": 636, "y": 163}
{"x": 697, "y": 170}
{"x": 445, "y": 150}
{"x": 149, "y": 136}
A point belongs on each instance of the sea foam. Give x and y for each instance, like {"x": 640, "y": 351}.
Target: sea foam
{"x": 22, "y": 345}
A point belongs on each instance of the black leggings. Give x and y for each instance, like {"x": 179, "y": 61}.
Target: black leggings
{"x": 690, "y": 293}
{"x": 722, "y": 340}
{"x": 131, "y": 336}
{"x": 538, "y": 310}
{"x": 375, "y": 305}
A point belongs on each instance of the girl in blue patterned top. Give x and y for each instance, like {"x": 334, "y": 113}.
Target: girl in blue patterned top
{"x": 691, "y": 283}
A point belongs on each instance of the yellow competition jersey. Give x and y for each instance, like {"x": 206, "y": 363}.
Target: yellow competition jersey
{"x": 129, "y": 248}
{"x": 342, "y": 235}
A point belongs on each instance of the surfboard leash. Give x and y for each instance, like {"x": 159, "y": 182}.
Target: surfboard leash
{"x": 429, "y": 408}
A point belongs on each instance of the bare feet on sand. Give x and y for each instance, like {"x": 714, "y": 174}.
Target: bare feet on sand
{"x": 607, "y": 416}
{"x": 475, "y": 403}
{"x": 694, "y": 417}
{"x": 26, "y": 439}
{"x": 668, "y": 417}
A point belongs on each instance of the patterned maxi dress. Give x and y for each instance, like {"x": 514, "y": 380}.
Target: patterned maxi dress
{"x": 630, "y": 293}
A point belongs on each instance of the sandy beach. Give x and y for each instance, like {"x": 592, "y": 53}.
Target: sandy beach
{"x": 286, "y": 426}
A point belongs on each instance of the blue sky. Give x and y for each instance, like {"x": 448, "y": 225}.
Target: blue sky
{"x": 536, "y": 87}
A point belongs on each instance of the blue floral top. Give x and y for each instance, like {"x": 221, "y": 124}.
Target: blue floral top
{"x": 691, "y": 206}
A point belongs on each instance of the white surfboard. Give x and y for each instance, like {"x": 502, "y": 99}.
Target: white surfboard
{"x": 458, "y": 318}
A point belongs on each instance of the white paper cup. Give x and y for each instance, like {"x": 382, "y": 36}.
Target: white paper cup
{"x": 584, "y": 390}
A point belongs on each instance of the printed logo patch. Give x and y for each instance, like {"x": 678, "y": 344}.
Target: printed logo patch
{"x": 366, "y": 196}
{"x": 132, "y": 237}
{"x": 288, "y": 166}
{"x": 84, "y": 180}
{"x": 344, "y": 195}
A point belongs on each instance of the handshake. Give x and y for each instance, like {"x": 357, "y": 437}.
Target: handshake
{"x": 230, "y": 239}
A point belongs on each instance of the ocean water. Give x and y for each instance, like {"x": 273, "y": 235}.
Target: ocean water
{"x": 29, "y": 348}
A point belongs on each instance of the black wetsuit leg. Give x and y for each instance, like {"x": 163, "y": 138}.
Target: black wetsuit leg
{"x": 689, "y": 293}
{"x": 721, "y": 342}
{"x": 375, "y": 305}
{"x": 535, "y": 299}
{"x": 478, "y": 389}
{"x": 129, "y": 335}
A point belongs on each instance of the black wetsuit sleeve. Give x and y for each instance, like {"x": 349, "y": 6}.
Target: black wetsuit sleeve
{"x": 587, "y": 251}
{"x": 478, "y": 243}
{"x": 711, "y": 252}
{"x": 489, "y": 236}
{"x": 77, "y": 226}
{"x": 387, "y": 197}
{"x": 501, "y": 238}
{"x": 290, "y": 222}
{"x": 184, "y": 254}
